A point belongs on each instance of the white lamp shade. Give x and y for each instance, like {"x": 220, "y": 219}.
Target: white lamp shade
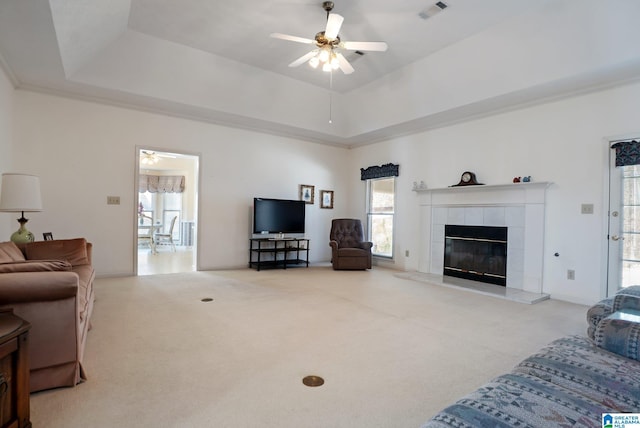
{"x": 20, "y": 192}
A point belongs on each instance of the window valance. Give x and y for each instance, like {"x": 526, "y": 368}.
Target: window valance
{"x": 627, "y": 153}
{"x": 386, "y": 170}
{"x": 161, "y": 183}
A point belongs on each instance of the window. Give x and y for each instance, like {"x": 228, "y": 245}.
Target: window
{"x": 162, "y": 207}
{"x": 380, "y": 215}
{"x": 631, "y": 225}
{"x": 146, "y": 206}
{"x": 172, "y": 208}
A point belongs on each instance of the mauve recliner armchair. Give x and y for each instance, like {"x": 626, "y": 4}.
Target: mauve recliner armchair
{"x": 349, "y": 250}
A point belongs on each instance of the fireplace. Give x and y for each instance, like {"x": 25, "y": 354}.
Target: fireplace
{"x": 519, "y": 207}
{"x": 477, "y": 253}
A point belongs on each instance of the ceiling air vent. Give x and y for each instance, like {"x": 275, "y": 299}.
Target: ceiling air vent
{"x": 433, "y": 10}
{"x": 353, "y": 56}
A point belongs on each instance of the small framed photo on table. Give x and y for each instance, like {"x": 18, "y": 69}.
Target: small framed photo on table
{"x": 326, "y": 199}
{"x": 307, "y": 193}
{"x": 48, "y": 236}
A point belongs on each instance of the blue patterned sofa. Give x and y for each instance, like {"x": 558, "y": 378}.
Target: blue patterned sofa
{"x": 569, "y": 383}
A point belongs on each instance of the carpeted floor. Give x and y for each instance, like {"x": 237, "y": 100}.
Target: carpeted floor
{"x": 392, "y": 351}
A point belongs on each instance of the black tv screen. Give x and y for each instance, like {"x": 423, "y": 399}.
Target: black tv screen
{"x": 278, "y": 216}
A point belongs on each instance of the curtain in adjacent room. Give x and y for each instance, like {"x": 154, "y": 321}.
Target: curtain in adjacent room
{"x": 161, "y": 183}
{"x": 627, "y": 153}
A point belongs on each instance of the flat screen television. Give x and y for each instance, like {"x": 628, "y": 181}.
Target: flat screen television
{"x": 278, "y": 216}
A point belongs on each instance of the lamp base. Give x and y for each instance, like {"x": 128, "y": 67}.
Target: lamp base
{"x": 22, "y": 235}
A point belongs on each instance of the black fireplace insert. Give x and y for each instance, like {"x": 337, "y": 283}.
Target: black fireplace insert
{"x": 477, "y": 253}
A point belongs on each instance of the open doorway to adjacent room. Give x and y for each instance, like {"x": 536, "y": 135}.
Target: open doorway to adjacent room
{"x": 166, "y": 212}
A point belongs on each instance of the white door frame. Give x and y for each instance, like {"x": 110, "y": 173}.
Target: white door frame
{"x": 198, "y": 174}
{"x": 612, "y": 278}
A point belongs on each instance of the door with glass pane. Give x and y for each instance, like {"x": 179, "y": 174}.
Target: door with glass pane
{"x": 624, "y": 225}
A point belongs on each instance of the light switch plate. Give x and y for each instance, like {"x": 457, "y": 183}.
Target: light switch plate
{"x": 113, "y": 200}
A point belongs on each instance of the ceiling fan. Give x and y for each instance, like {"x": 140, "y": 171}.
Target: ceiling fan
{"x": 328, "y": 44}
{"x": 148, "y": 157}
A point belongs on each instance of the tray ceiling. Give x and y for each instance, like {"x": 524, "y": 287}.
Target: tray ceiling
{"x": 101, "y": 50}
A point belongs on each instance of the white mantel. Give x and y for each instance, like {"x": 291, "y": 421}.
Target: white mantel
{"x": 519, "y": 206}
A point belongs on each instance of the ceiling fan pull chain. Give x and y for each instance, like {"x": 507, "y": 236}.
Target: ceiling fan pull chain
{"x": 330, "y": 96}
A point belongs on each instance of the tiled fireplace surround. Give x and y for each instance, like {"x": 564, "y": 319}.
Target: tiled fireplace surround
{"x": 520, "y": 207}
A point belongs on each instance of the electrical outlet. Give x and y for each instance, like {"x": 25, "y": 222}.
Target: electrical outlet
{"x": 113, "y": 200}
{"x": 586, "y": 209}
{"x": 571, "y": 274}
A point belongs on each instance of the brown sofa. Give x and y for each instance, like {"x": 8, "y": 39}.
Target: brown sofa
{"x": 349, "y": 250}
{"x": 50, "y": 284}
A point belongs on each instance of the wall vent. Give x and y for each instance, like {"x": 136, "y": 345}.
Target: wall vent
{"x": 354, "y": 55}
{"x": 433, "y": 10}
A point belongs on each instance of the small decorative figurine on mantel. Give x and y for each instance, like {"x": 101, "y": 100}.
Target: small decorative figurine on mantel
{"x": 516, "y": 179}
{"x": 421, "y": 186}
{"x": 526, "y": 179}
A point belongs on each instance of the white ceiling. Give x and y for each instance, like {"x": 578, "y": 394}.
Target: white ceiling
{"x": 214, "y": 60}
{"x": 239, "y": 30}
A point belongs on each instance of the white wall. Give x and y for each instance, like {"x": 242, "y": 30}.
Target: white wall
{"x": 561, "y": 142}
{"x": 147, "y": 66}
{"x": 84, "y": 151}
{"x": 7, "y": 221}
{"x": 532, "y": 52}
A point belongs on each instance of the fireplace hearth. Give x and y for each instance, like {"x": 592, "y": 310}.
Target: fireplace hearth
{"x": 477, "y": 253}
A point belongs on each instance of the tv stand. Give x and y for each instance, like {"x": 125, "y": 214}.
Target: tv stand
{"x": 278, "y": 252}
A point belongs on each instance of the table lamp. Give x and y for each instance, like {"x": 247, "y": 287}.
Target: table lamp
{"x": 20, "y": 193}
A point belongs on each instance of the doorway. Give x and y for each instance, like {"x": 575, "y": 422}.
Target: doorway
{"x": 624, "y": 215}
{"x": 166, "y": 212}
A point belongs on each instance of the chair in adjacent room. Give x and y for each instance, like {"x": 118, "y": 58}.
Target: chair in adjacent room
{"x": 145, "y": 233}
{"x": 349, "y": 250}
{"x": 161, "y": 238}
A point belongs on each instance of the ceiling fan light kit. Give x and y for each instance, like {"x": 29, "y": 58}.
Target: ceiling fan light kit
{"x": 149, "y": 158}
{"x": 328, "y": 44}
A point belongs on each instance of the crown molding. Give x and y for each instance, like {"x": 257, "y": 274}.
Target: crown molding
{"x": 9, "y": 72}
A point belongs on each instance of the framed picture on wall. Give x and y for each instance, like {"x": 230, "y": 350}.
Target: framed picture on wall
{"x": 307, "y": 193}
{"x": 326, "y": 199}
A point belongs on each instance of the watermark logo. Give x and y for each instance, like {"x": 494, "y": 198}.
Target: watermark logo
{"x": 621, "y": 420}
{"x": 607, "y": 421}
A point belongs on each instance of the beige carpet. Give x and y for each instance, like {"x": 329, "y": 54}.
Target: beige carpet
{"x": 392, "y": 351}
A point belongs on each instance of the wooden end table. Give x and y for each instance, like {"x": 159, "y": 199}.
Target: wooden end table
{"x": 14, "y": 371}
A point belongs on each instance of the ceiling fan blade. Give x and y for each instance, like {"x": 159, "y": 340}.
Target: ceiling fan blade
{"x": 291, "y": 38}
{"x": 344, "y": 64}
{"x": 304, "y": 58}
{"x": 365, "y": 46}
{"x": 334, "y": 22}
